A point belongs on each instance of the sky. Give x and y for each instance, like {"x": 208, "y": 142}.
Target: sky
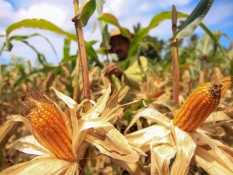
{"x": 128, "y": 12}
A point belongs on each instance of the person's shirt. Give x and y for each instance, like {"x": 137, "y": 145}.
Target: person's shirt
{"x": 135, "y": 73}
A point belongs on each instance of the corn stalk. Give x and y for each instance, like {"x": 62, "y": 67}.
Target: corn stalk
{"x": 85, "y": 75}
{"x": 175, "y": 58}
{"x": 82, "y": 52}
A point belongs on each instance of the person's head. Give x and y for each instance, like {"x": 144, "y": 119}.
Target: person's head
{"x": 119, "y": 44}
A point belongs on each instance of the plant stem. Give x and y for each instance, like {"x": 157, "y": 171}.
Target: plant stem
{"x": 76, "y": 81}
{"x": 175, "y": 59}
{"x": 175, "y": 72}
{"x": 202, "y": 77}
{"x": 86, "y": 86}
{"x": 82, "y": 52}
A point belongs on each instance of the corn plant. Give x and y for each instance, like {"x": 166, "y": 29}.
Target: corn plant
{"x": 92, "y": 130}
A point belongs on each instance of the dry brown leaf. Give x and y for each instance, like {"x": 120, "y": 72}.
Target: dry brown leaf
{"x": 210, "y": 162}
{"x": 185, "y": 148}
{"x": 37, "y": 166}
{"x": 134, "y": 169}
{"x": 223, "y": 156}
{"x": 30, "y": 145}
{"x": 217, "y": 116}
{"x": 143, "y": 138}
{"x": 162, "y": 151}
{"x": 112, "y": 143}
{"x": 5, "y": 128}
{"x": 164, "y": 140}
{"x": 152, "y": 115}
{"x": 106, "y": 138}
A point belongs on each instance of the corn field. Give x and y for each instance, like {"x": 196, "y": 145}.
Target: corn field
{"x": 175, "y": 118}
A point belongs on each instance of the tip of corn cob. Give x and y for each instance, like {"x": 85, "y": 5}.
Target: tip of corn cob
{"x": 215, "y": 90}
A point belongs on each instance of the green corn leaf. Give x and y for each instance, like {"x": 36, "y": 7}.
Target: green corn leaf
{"x": 105, "y": 36}
{"x": 86, "y": 10}
{"x": 41, "y": 24}
{"x": 8, "y": 45}
{"x": 231, "y": 69}
{"x": 34, "y": 23}
{"x": 212, "y": 36}
{"x": 103, "y": 26}
{"x": 25, "y": 37}
{"x": 40, "y": 56}
{"x": 229, "y": 40}
{"x": 66, "y": 49}
{"x": 99, "y": 6}
{"x": 156, "y": 20}
{"x": 194, "y": 19}
{"x": 92, "y": 53}
{"x": 111, "y": 19}
{"x": 36, "y": 72}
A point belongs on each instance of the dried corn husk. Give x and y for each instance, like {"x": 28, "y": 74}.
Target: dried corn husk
{"x": 4, "y": 130}
{"x": 166, "y": 141}
{"x": 41, "y": 165}
{"x": 96, "y": 120}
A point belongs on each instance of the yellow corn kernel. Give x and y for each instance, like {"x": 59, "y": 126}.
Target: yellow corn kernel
{"x": 50, "y": 127}
{"x": 198, "y": 106}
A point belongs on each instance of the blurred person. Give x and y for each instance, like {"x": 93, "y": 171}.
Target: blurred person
{"x": 120, "y": 46}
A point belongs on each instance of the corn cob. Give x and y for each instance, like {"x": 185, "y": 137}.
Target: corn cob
{"x": 50, "y": 127}
{"x": 198, "y": 106}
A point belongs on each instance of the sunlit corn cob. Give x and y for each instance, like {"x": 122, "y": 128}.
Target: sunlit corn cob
{"x": 51, "y": 130}
{"x": 198, "y": 106}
